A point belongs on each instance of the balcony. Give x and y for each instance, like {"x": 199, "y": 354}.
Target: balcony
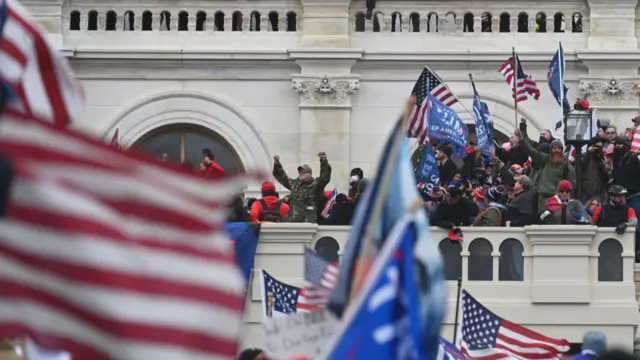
{"x": 475, "y": 27}
{"x": 558, "y": 280}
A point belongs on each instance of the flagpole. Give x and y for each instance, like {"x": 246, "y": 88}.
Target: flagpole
{"x": 456, "y": 320}
{"x": 514, "y": 68}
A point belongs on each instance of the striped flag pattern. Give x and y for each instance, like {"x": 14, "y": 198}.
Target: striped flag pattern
{"x": 41, "y": 80}
{"x": 526, "y": 86}
{"x": 427, "y": 83}
{"x": 486, "y": 336}
{"x": 115, "y": 139}
{"x": 320, "y": 276}
{"x": 635, "y": 142}
{"x": 111, "y": 255}
{"x": 331, "y": 201}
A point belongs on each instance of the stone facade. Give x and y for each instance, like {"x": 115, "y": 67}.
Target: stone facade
{"x": 294, "y": 77}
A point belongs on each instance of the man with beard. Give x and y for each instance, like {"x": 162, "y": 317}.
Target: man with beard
{"x": 551, "y": 169}
{"x": 594, "y": 174}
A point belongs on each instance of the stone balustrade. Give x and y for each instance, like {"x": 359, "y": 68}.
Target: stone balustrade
{"x": 559, "y": 280}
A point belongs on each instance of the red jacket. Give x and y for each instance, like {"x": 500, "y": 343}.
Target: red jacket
{"x": 256, "y": 208}
{"x": 214, "y": 170}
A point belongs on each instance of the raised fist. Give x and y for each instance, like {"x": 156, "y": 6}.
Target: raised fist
{"x": 322, "y": 155}
{"x": 276, "y": 158}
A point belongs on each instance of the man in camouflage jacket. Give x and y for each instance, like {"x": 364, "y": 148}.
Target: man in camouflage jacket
{"x": 304, "y": 190}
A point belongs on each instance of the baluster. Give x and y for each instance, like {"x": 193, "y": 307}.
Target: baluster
{"x": 209, "y": 23}
{"x": 459, "y": 23}
{"x": 406, "y": 21}
{"x": 264, "y": 24}
{"x": 368, "y": 25}
{"x": 532, "y": 24}
{"x": 102, "y": 23}
{"x": 191, "y": 25}
{"x": 386, "y": 24}
{"x": 137, "y": 21}
{"x": 550, "y": 24}
{"x": 513, "y": 23}
{"x": 119, "y": 22}
{"x": 443, "y": 24}
{"x": 228, "y": 22}
{"x": 495, "y": 23}
{"x": 84, "y": 22}
{"x": 477, "y": 24}
{"x": 156, "y": 22}
{"x": 246, "y": 23}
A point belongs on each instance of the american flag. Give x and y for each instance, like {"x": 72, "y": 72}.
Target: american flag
{"x": 428, "y": 82}
{"x": 526, "y": 86}
{"x": 42, "y": 81}
{"x": 279, "y": 298}
{"x": 320, "y": 276}
{"x": 635, "y": 142}
{"x": 331, "y": 201}
{"x": 486, "y": 336}
{"x": 447, "y": 351}
{"x": 115, "y": 141}
{"x": 111, "y": 255}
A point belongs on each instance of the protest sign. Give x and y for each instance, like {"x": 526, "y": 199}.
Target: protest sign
{"x": 300, "y": 334}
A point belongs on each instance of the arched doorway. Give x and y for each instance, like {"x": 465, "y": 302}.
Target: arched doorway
{"x": 182, "y": 143}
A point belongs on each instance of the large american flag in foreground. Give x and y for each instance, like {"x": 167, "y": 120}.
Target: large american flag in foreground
{"x": 486, "y": 336}
{"x": 526, "y": 86}
{"x": 320, "y": 276}
{"x": 427, "y": 83}
{"x": 42, "y": 81}
{"x": 109, "y": 255}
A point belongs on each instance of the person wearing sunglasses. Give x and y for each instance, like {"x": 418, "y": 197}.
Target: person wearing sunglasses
{"x": 561, "y": 209}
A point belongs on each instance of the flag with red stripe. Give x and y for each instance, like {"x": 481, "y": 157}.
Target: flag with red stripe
{"x": 111, "y": 255}
{"x": 427, "y": 83}
{"x": 115, "y": 139}
{"x": 525, "y": 86}
{"x": 320, "y": 276}
{"x": 486, "y": 336}
{"x": 331, "y": 201}
{"x": 279, "y": 298}
{"x": 635, "y": 142}
{"x": 42, "y": 81}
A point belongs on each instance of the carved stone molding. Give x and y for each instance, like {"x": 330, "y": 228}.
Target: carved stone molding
{"x": 612, "y": 92}
{"x": 325, "y": 91}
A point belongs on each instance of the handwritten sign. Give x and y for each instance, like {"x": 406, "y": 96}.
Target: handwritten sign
{"x": 300, "y": 334}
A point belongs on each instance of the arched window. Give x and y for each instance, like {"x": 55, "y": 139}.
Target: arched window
{"x": 360, "y": 22}
{"x": 505, "y": 22}
{"x": 467, "y": 23}
{"x": 184, "y": 144}
{"x": 92, "y": 23}
{"x": 450, "y": 19}
{"x": 432, "y": 22}
{"x": 480, "y": 260}
{"x": 541, "y": 22}
{"x": 74, "y": 20}
{"x": 236, "y": 21}
{"x": 487, "y": 19}
{"x": 511, "y": 261}
{"x": 558, "y": 22}
{"x": 576, "y": 23}
{"x": 328, "y": 248}
{"x": 147, "y": 21}
{"x": 110, "y": 21}
{"x": 274, "y": 20}
{"x": 378, "y": 21}
{"x": 610, "y": 260}
{"x": 201, "y": 19}
{"x": 165, "y": 21}
{"x": 452, "y": 255}
{"x": 183, "y": 21}
{"x": 254, "y": 21}
{"x": 218, "y": 21}
{"x": 292, "y": 21}
{"x": 128, "y": 21}
{"x": 396, "y": 22}
{"x": 523, "y": 22}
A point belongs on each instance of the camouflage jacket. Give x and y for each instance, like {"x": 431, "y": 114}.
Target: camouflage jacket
{"x": 303, "y": 194}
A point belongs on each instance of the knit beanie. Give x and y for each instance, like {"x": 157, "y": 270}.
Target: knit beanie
{"x": 557, "y": 143}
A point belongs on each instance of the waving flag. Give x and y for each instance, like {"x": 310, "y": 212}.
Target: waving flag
{"x": 320, "y": 276}
{"x": 279, "y": 298}
{"x": 150, "y": 256}
{"x": 427, "y": 172}
{"x": 41, "y": 79}
{"x": 427, "y": 83}
{"x": 446, "y": 126}
{"x": 555, "y": 78}
{"x": 447, "y": 351}
{"x": 526, "y": 86}
{"x": 331, "y": 201}
{"x": 488, "y": 122}
{"x": 245, "y": 237}
{"x": 115, "y": 139}
{"x": 487, "y": 336}
{"x": 482, "y": 126}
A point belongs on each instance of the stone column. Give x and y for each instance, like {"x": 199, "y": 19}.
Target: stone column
{"x": 325, "y": 23}
{"x": 612, "y": 24}
{"x": 325, "y": 86}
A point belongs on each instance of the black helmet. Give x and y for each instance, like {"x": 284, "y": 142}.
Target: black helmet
{"x": 617, "y": 190}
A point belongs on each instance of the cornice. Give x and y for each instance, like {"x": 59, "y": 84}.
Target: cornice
{"x": 326, "y": 54}
{"x": 243, "y": 55}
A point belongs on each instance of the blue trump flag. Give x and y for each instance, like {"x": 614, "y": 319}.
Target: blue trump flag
{"x": 245, "y": 237}
{"x": 555, "y": 78}
{"x": 482, "y": 128}
{"x": 488, "y": 121}
{"x": 446, "y": 126}
{"x": 427, "y": 172}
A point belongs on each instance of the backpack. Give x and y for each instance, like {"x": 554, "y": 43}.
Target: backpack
{"x": 271, "y": 214}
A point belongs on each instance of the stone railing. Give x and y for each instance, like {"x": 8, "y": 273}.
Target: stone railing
{"x": 559, "y": 280}
{"x": 135, "y": 18}
{"x": 430, "y": 19}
